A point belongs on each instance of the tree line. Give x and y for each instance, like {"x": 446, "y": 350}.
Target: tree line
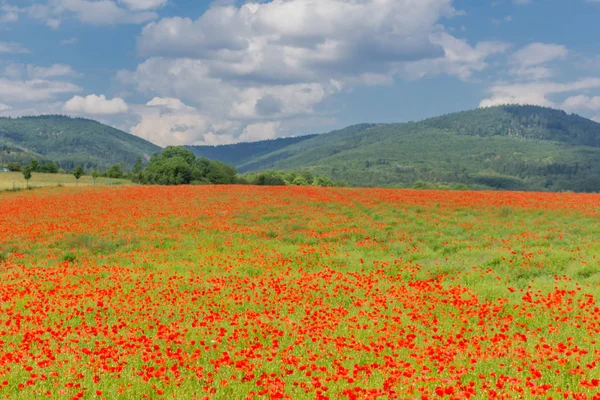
{"x": 176, "y": 165}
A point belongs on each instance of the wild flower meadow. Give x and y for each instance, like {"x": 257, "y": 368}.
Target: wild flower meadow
{"x": 233, "y": 292}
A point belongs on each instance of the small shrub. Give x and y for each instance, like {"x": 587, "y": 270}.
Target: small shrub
{"x": 69, "y": 257}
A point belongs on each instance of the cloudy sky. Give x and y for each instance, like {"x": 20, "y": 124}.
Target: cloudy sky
{"x": 224, "y": 71}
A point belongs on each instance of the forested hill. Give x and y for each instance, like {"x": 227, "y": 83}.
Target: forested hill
{"x": 528, "y": 122}
{"x": 506, "y": 147}
{"x": 69, "y": 142}
{"x": 242, "y": 153}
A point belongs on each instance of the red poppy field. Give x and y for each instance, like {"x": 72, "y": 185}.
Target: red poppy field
{"x": 236, "y": 292}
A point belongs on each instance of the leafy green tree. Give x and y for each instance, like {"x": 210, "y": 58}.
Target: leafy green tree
{"x": 27, "y": 171}
{"x": 178, "y": 151}
{"x": 269, "y": 178}
{"x": 300, "y": 181}
{"x": 221, "y": 174}
{"x": 35, "y": 165}
{"x": 308, "y": 177}
{"x": 115, "y": 172}
{"x": 137, "y": 171}
{"x": 77, "y": 173}
{"x": 168, "y": 171}
{"x": 95, "y": 175}
{"x": 49, "y": 168}
{"x": 179, "y": 166}
{"x": 14, "y": 167}
{"x": 138, "y": 167}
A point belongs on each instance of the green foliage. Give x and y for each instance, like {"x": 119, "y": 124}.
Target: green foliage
{"x": 49, "y": 168}
{"x": 14, "y": 167}
{"x": 27, "y": 171}
{"x": 69, "y": 257}
{"x": 288, "y": 178}
{"x": 179, "y": 166}
{"x": 509, "y": 147}
{"x": 77, "y": 172}
{"x": 137, "y": 171}
{"x": 69, "y": 142}
{"x": 95, "y": 174}
{"x": 35, "y": 166}
{"x": 138, "y": 167}
{"x": 115, "y": 172}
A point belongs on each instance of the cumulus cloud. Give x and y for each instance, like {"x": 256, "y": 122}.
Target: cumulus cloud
{"x": 11, "y": 47}
{"x": 33, "y": 90}
{"x": 582, "y": 102}
{"x": 95, "y": 12}
{"x": 30, "y": 71}
{"x": 460, "y": 59}
{"x": 53, "y": 71}
{"x": 260, "y": 131}
{"x": 536, "y": 93}
{"x": 95, "y": 105}
{"x": 143, "y": 4}
{"x": 527, "y": 63}
{"x": 170, "y": 104}
{"x": 301, "y": 39}
{"x": 4, "y": 107}
{"x": 165, "y": 121}
{"x": 264, "y": 66}
{"x": 9, "y": 13}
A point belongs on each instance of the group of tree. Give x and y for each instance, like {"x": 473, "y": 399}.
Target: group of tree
{"x": 179, "y": 166}
{"x": 46, "y": 167}
{"x": 289, "y": 178}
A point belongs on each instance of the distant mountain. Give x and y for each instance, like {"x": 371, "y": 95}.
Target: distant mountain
{"x": 69, "y": 142}
{"x": 242, "y": 153}
{"x": 507, "y": 147}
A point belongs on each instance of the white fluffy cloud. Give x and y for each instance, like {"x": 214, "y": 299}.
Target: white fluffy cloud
{"x": 582, "y": 102}
{"x": 4, "y": 107}
{"x": 11, "y": 47}
{"x": 537, "y": 93}
{"x": 143, "y": 4}
{"x": 95, "y": 105}
{"x": 528, "y": 62}
{"x": 260, "y": 131}
{"x": 8, "y": 14}
{"x": 254, "y": 71}
{"x": 167, "y": 121}
{"x": 460, "y": 59}
{"x": 33, "y": 90}
{"x": 95, "y": 12}
{"x": 538, "y": 53}
{"x": 30, "y": 71}
{"x": 53, "y": 71}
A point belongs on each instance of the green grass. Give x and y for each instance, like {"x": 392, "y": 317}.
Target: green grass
{"x": 43, "y": 180}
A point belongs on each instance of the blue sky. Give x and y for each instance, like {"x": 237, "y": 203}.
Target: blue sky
{"x": 200, "y": 72}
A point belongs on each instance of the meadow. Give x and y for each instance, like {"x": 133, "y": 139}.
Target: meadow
{"x": 233, "y": 292}
{"x": 15, "y": 180}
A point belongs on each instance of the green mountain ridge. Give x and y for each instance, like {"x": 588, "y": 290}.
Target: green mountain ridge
{"x": 244, "y": 152}
{"x": 505, "y": 147}
{"x": 69, "y": 142}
